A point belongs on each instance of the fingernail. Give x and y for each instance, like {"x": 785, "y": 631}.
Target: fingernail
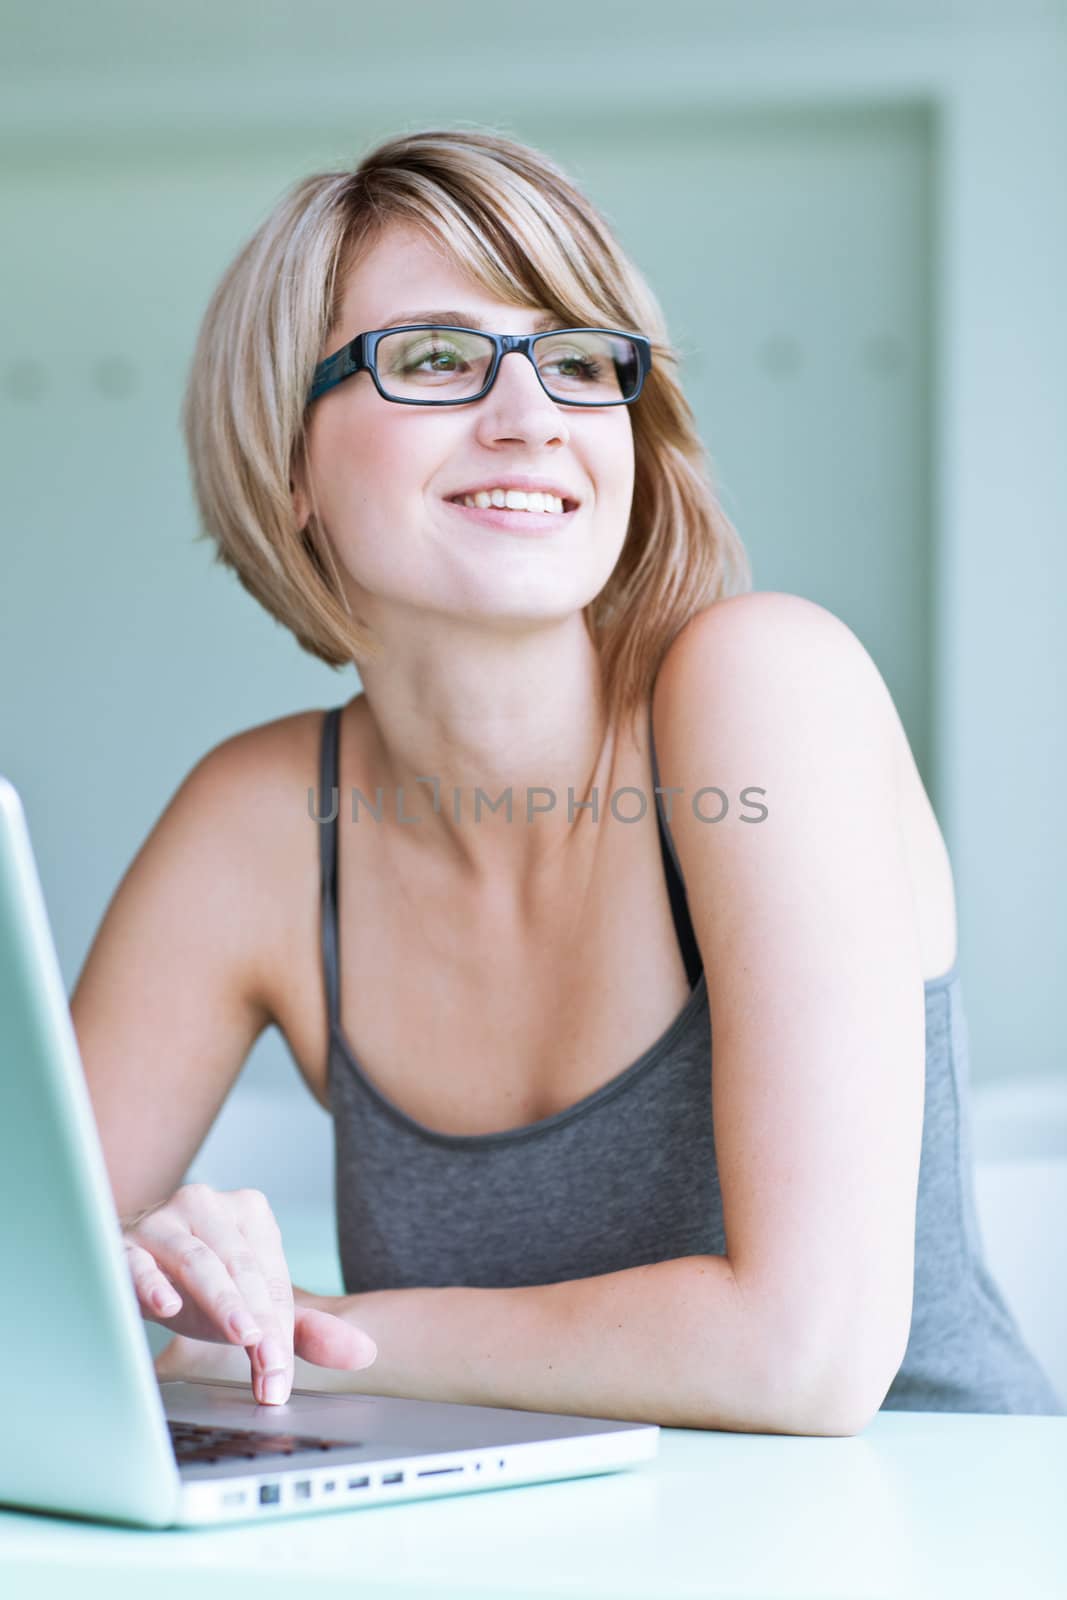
{"x": 271, "y": 1356}
{"x": 166, "y": 1304}
{"x": 274, "y": 1389}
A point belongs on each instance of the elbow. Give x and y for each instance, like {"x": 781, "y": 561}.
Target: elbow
{"x": 815, "y": 1369}
{"x": 839, "y": 1417}
{"x": 838, "y": 1398}
{"x": 822, "y": 1406}
{"x": 834, "y": 1387}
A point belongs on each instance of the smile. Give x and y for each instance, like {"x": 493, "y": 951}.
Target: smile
{"x": 512, "y": 519}
{"x": 512, "y": 500}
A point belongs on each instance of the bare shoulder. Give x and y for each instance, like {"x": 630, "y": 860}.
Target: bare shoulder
{"x": 775, "y": 679}
{"x": 240, "y": 821}
{"x": 260, "y": 786}
{"x": 235, "y": 817}
{"x": 774, "y": 724}
{"x": 253, "y": 770}
{"x": 737, "y": 655}
{"x": 775, "y": 702}
{"x": 772, "y": 621}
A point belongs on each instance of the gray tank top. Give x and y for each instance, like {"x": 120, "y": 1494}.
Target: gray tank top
{"x": 627, "y": 1176}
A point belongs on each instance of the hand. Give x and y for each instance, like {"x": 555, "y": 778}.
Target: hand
{"x": 210, "y": 1265}
{"x": 193, "y": 1359}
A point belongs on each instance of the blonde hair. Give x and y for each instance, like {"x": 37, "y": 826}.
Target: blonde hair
{"x": 511, "y": 217}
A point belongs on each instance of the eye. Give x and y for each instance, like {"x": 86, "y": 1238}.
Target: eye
{"x": 582, "y": 367}
{"x": 439, "y": 353}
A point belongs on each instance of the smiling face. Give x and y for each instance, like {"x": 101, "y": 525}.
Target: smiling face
{"x": 386, "y": 476}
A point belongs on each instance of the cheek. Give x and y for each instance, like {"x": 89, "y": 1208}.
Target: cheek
{"x": 364, "y": 460}
{"x": 615, "y": 473}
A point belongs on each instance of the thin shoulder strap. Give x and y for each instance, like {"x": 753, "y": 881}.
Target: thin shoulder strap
{"x": 327, "y": 812}
{"x": 683, "y": 924}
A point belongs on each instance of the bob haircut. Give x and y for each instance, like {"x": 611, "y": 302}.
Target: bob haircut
{"x": 509, "y": 216}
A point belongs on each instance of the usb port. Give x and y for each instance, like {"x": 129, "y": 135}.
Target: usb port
{"x": 302, "y": 1489}
{"x": 358, "y": 1483}
{"x": 392, "y": 1477}
{"x": 269, "y": 1494}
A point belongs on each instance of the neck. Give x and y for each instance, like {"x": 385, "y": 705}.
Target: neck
{"x": 453, "y": 729}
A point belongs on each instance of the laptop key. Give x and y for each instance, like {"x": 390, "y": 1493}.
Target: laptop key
{"x": 193, "y": 1442}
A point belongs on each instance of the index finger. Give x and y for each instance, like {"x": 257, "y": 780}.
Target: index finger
{"x": 269, "y": 1294}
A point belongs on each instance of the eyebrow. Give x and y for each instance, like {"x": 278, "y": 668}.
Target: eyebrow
{"x": 466, "y": 319}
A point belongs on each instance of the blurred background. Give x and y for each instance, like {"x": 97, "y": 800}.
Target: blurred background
{"x": 854, "y": 217}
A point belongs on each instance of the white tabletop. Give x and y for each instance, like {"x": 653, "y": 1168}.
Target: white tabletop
{"x": 920, "y": 1504}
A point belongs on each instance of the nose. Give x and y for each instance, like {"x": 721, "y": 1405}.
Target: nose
{"x": 518, "y": 407}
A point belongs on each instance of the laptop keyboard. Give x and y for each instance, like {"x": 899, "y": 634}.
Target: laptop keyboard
{"x": 193, "y": 1441}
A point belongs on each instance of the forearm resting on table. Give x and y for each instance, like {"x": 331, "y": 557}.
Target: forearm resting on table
{"x": 674, "y": 1343}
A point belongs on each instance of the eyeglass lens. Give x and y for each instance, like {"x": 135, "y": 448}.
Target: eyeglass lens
{"x": 442, "y": 364}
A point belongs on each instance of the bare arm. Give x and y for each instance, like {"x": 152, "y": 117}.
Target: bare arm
{"x": 171, "y": 999}
{"x": 807, "y": 926}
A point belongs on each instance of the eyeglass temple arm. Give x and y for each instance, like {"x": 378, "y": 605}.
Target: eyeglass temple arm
{"x": 340, "y": 365}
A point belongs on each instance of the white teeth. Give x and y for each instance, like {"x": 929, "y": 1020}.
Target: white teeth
{"x": 515, "y": 500}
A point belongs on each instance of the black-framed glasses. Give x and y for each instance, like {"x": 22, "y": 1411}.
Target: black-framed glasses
{"x": 429, "y": 364}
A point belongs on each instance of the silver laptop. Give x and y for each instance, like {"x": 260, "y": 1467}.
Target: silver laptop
{"x": 87, "y": 1429}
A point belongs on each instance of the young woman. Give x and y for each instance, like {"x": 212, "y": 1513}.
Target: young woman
{"x": 608, "y": 803}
